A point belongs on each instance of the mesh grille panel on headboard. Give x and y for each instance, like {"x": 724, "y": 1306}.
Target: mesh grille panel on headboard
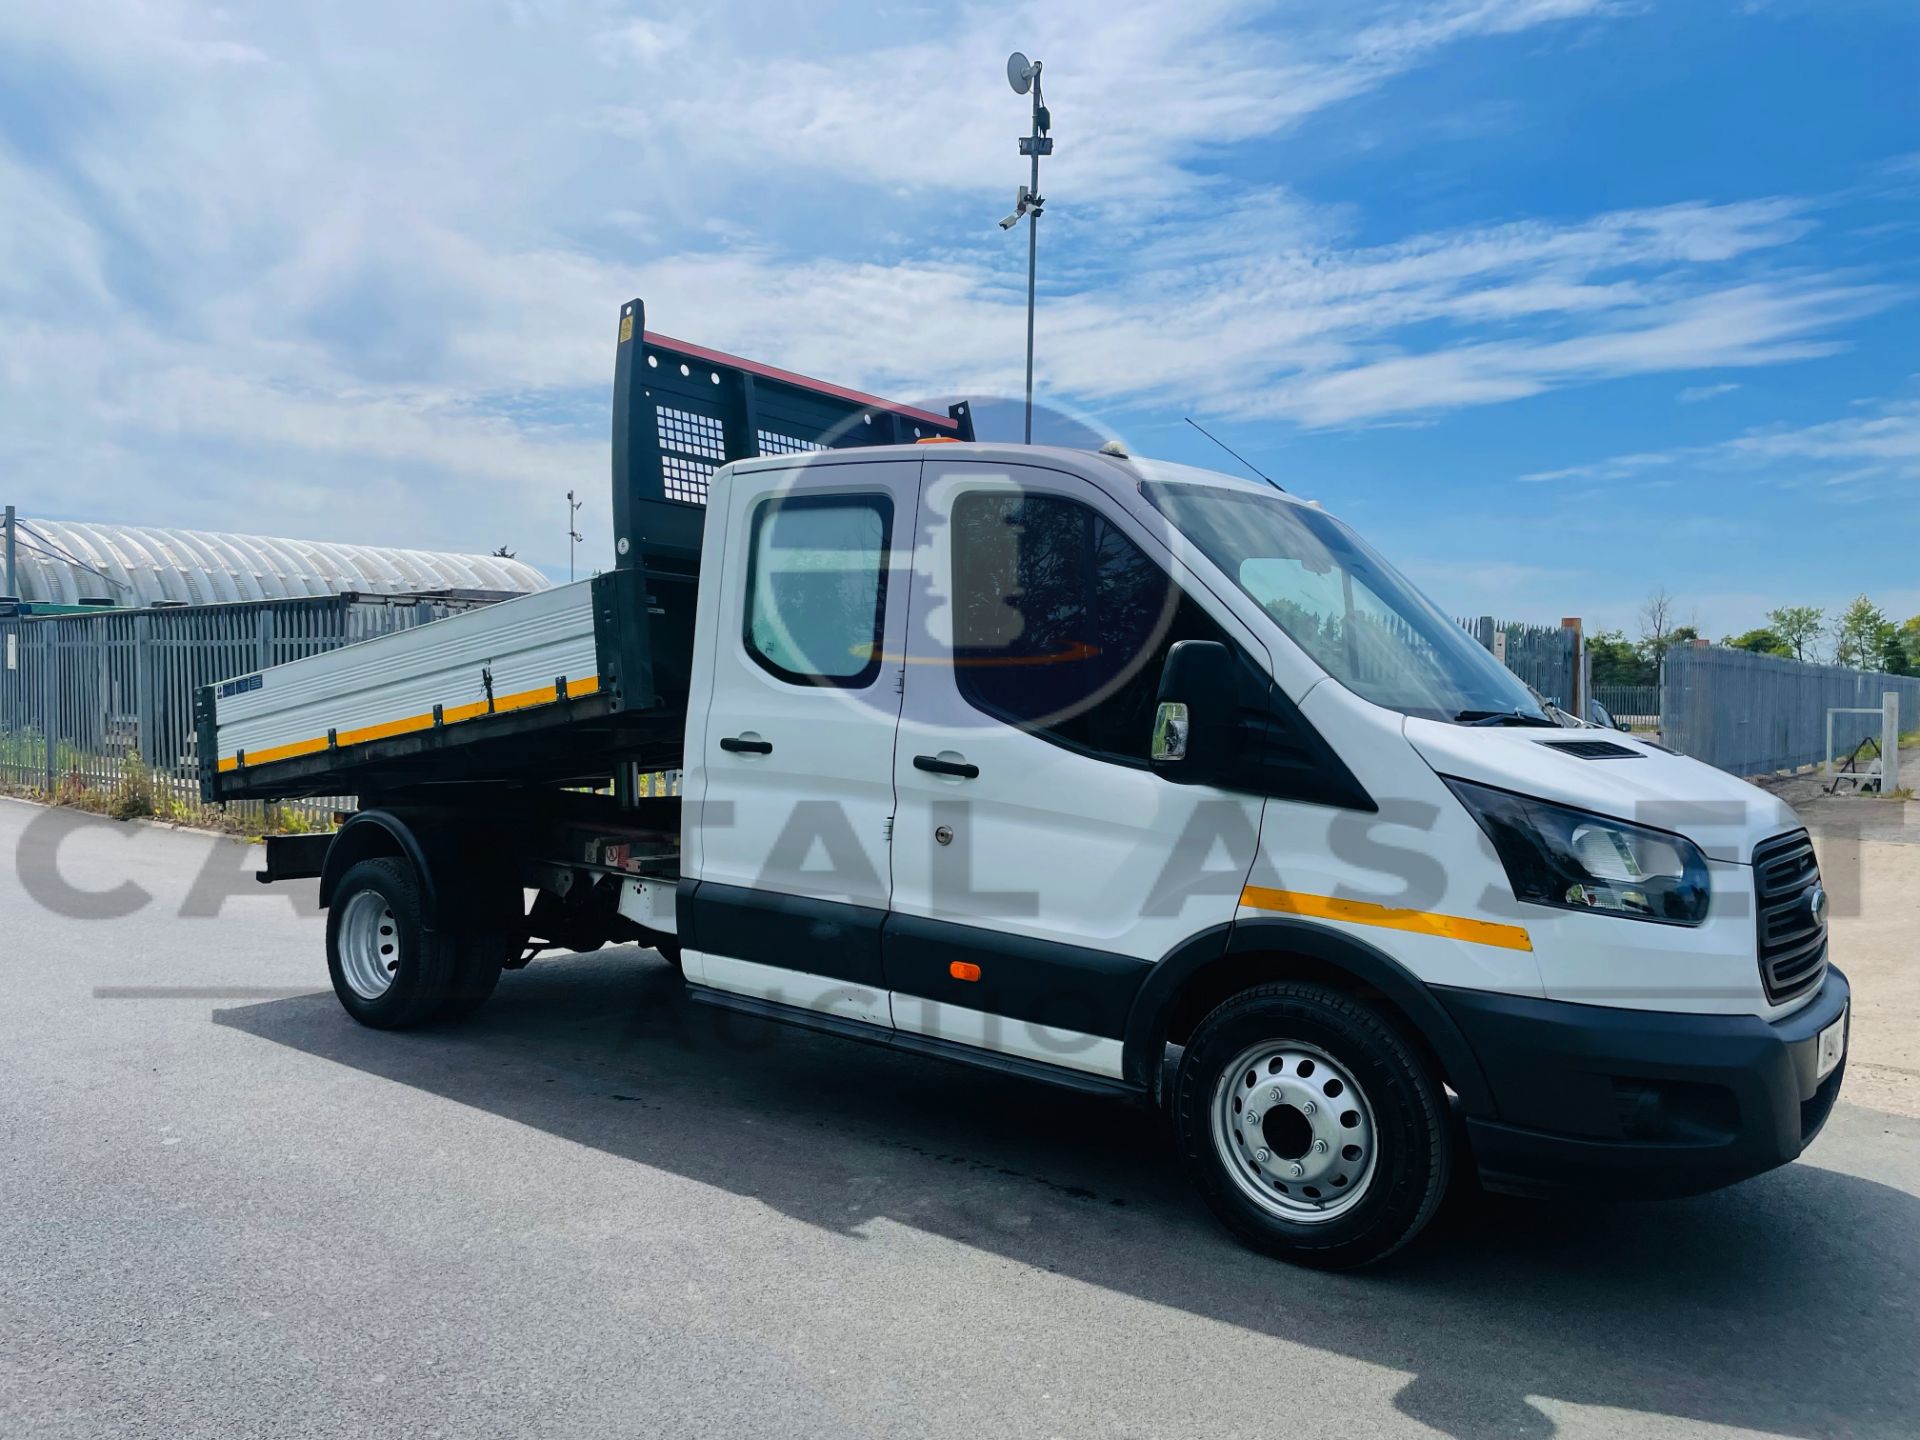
{"x": 692, "y": 447}
{"x": 772, "y": 442}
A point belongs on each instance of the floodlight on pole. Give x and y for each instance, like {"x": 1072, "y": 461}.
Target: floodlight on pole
{"x": 1024, "y": 76}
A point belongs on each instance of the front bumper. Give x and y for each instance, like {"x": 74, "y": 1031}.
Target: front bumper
{"x": 1632, "y": 1103}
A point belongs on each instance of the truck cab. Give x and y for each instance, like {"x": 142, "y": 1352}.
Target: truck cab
{"x": 1110, "y": 773}
{"x": 1054, "y": 759}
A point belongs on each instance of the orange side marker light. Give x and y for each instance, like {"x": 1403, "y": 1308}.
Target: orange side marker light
{"x": 961, "y": 970}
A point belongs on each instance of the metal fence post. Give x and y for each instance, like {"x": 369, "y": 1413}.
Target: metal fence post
{"x": 1577, "y": 690}
{"x": 1890, "y": 741}
{"x": 48, "y": 659}
{"x": 143, "y": 739}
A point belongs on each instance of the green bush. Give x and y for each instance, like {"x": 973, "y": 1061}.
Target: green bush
{"x": 135, "y": 796}
{"x": 137, "y": 791}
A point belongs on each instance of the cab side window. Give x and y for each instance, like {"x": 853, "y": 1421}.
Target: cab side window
{"x": 817, "y": 588}
{"x": 1061, "y": 623}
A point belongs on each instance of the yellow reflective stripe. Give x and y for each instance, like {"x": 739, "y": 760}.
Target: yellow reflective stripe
{"x": 277, "y": 752}
{"x": 1365, "y": 912}
{"x": 449, "y": 715}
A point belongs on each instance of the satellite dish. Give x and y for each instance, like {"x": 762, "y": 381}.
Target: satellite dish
{"x": 1019, "y": 72}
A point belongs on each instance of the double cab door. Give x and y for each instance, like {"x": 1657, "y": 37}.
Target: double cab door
{"x": 945, "y": 675}
{"x": 791, "y": 785}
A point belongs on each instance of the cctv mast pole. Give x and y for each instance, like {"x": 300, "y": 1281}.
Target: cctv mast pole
{"x": 1023, "y": 74}
{"x": 1032, "y": 146}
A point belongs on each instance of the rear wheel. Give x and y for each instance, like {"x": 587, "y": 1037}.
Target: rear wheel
{"x": 479, "y": 959}
{"x": 388, "y": 970}
{"x": 1310, "y": 1126}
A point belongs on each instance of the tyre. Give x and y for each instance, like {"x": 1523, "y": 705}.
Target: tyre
{"x": 479, "y": 959}
{"x": 1311, "y": 1127}
{"x": 388, "y": 969}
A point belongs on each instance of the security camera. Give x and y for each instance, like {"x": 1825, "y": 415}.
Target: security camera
{"x": 1022, "y": 201}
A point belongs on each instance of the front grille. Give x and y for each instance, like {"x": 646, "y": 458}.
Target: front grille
{"x": 1792, "y": 942}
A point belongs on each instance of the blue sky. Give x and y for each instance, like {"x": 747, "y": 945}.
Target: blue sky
{"x": 1559, "y": 300}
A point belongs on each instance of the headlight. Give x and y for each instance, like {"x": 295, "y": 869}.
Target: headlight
{"x": 1558, "y": 856}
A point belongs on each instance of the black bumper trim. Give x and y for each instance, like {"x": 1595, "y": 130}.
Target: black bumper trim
{"x": 1630, "y": 1102}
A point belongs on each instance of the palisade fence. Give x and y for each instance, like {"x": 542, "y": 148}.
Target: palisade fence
{"x": 1755, "y": 714}
{"x": 1547, "y": 657}
{"x": 87, "y": 700}
{"x": 1638, "y": 703}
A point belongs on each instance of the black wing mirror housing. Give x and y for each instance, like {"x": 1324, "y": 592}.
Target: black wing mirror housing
{"x": 1193, "y": 727}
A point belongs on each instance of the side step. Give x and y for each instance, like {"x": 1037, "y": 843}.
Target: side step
{"x": 927, "y": 1045}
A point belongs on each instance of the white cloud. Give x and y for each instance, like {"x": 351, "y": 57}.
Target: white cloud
{"x": 1754, "y": 324}
{"x": 331, "y": 255}
{"x": 1694, "y": 394}
{"x": 1138, "y": 90}
{"x": 49, "y": 256}
{"x": 645, "y": 41}
{"x": 1880, "y": 445}
{"x": 1887, "y": 441}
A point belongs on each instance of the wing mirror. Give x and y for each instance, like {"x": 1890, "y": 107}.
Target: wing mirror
{"x": 1193, "y": 729}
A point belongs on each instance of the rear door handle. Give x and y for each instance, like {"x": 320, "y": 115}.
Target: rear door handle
{"x": 739, "y": 745}
{"x": 937, "y": 766}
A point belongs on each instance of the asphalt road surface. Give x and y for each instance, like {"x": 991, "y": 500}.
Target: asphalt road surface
{"x": 596, "y": 1209}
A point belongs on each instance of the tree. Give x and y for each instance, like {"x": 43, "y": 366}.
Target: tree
{"x": 1859, "y": 634}
{"x": 503, "y": 553}
{"x": 1682, "y": 635}
{"x": 1909, "y": 633}
{"x": 1656, "y": 625}
{"x": 1893, "y": 653}
{"x": 1763, "y": 641}
{"x": 1798, "y": 627}
{"x": 1617, "y": 662}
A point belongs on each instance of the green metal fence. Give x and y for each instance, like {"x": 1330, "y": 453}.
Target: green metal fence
{"x": 93, "y": 702}
{"x": 1639, "y": 704}
{"x": 1756, "y": 714}
{"x": 1547, "y": 657}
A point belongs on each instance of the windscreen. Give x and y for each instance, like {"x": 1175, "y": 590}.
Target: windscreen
{"x": 1362, "y": 621}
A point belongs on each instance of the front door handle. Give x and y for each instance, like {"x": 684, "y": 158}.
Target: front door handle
{"x": 937, "y": 766}
{"x": 740, "y": 745}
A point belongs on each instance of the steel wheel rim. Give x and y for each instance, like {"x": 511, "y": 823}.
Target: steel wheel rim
{"x": 1295, "y": 1131}
{"x": 369, "y": 945}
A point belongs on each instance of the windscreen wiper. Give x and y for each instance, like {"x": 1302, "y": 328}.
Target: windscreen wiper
{"x": 1502, "y": 717}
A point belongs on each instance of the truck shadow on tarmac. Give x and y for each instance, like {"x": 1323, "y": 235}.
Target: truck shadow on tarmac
{"x": 1790, "y": 1304}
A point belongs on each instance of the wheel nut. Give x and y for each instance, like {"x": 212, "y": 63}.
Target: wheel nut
{"x": 1307, "y": 1107}
{"x": 1319, "y": 1147}
{"x": 1297, "y": 1168}
{"x": 1262, "y": 1156}
{"x": 1274, "y": 1094}
{"x": 1252, "y": 1119}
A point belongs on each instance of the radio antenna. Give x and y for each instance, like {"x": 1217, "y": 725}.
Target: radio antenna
{"x": 1235, "y": 453}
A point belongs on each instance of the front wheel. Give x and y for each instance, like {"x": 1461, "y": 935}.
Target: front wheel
{"x": 1310, "y": 1126}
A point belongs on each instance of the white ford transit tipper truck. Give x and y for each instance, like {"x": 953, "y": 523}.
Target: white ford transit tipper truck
{"x": 1063, "y": 763}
